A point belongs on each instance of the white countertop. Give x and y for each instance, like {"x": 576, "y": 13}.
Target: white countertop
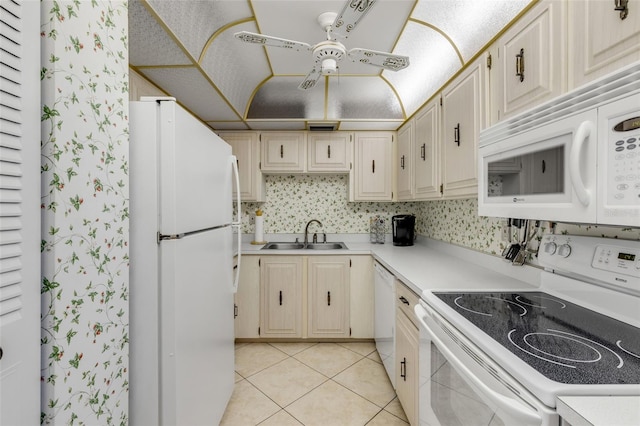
{"x": 599, "y": 410}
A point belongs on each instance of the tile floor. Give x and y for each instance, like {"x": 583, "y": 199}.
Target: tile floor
{"x": 311, "y": 384}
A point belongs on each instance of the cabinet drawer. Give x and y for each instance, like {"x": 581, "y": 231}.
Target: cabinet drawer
{"x": 406, "y": 300}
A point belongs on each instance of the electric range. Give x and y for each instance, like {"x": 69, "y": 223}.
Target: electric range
{"x": 577, "y": 334}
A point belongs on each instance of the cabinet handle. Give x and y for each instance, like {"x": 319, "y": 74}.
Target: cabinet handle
{"x": 328, "y": 298}
{"x": 328, "y": 151}
{"x": 621, "y": 6}
{"x": 281, "y": 298}
{"x": 403, "y": 368}
{"x": 404, "y": 300}
{"x": 520, "y": 65}
{"x": 373, "y": 166}
{"x": 402, "y": 162}
{"x": 423, "y": 151}
{"x": 281, "y": 151}
{"x": 456, "y": 134}
{"x": 544, "y": 166}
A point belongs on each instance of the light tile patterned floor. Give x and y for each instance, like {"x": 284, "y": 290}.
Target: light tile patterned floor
{"x": 310, "y": 384}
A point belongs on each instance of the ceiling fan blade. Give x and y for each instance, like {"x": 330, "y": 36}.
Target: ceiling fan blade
{"x": 249, "y": 37}
{"x": 385, "y": 60}
{"x": 311, "y": 79}
{"x": 351, "y": 14}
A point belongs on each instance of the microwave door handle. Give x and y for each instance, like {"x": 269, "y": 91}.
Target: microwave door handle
{"x": 508, "y": 405}
{"x": 585, "y": 131}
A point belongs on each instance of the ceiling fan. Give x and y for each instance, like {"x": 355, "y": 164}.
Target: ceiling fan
{"x": 328, "y": 53}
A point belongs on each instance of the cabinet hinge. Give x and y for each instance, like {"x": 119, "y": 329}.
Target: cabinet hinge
{"x": 441, "y": 189}
{"x": 489, "y": 61}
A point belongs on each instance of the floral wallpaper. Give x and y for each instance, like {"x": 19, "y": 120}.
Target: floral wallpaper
{"x": 293, "y": 200}
{"x": 84, "y": 340}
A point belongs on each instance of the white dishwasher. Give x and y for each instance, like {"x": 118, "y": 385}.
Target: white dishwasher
{"x": 384, "y": 319}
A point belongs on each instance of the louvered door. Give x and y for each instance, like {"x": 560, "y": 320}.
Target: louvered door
{"x": 19, "y": 212}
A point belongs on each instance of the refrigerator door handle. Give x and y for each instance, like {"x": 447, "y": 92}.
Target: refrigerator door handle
{"x": 238, "y": 222}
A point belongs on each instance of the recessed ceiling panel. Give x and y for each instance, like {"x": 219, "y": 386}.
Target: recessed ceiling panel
{"x": 193, "y": 22}
{"x": 280, "y": 98}
{"x": 227, "y": 58}
{"x": 433, "y": 62}
{"x": 192, "y": 90}
{"x": 362, "y": 98}
{"x": 469, "y": 23}
{"x": 149, "y": 44}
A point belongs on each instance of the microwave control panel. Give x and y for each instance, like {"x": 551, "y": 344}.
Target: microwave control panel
{"x": 624, "y": 161}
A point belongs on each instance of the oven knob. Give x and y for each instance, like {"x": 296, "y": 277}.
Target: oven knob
{"x": 564, "y": 250}
{"x": 550, "y": 247}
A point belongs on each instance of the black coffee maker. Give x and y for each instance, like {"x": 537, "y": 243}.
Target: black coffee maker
{"x": 403, "y": 226}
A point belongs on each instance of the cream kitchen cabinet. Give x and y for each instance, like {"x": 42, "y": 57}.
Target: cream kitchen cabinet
{"x": 247, "y": 299}
{"x": 283, "y": 152}
{"x": 600, "y": 40}
{"x": 405, "y": 161}
{"x": 461, "y": 117}
{"x": 246, "y": 148}
{"x": 373, "y": 174}
{"x": 361, "y": 300}
{"x": 329, "y": 151}
{"x": 426, "y": 152}
{"x": 528, "y": 62}
{"x": 328, "y": 296}
{"x": 407, "y": 346}
{"x": 281, "y": 296}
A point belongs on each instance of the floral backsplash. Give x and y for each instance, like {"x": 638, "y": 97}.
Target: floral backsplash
{"x": 85, "y": 256}
{"x": 293, "y": 200}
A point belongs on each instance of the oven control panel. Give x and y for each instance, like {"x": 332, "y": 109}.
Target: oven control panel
{"x": 612, "y": 261}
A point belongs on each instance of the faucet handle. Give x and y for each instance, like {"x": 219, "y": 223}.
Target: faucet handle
{"x": 315, "y": 237}
{"x": 324, "y": 237}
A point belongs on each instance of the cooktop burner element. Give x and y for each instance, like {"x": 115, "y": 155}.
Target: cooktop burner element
{"x": 565, "y": 342}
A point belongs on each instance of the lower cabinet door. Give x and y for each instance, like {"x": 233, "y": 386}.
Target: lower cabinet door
{"x": 407, "y": 344}
{"x": 328, "y": 279}
{"x": 281, "y": 283}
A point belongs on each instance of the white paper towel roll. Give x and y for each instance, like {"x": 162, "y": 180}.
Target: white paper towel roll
{"x": 259, "y": 232}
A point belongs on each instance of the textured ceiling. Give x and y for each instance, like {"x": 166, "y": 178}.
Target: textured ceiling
{"x": 188, "y": 50}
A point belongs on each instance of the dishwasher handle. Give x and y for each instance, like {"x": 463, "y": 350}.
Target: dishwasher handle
{"x": 506, "y": 404}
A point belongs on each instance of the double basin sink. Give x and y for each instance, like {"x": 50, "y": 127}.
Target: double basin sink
{"x": 307, "y": 246}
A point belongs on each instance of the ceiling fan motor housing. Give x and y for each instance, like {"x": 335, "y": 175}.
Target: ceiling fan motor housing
{"x": 327, "y": 54}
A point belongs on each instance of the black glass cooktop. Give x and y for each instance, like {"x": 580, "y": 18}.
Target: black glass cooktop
{"x": 565, "y": 342}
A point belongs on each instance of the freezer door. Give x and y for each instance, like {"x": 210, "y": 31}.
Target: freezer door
{"x": 195, "y": 173}
{"x": 196, "y": 328}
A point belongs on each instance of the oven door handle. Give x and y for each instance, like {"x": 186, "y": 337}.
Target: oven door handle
{"x": 508, "y": 405}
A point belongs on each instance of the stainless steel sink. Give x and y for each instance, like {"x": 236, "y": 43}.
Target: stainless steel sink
{"x": 326, "y": 246}
{"x": 300, "y": 246}
{"x": 283, "y": 246}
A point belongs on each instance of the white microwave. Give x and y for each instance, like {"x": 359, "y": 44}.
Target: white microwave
{"x": 573, "y": 159}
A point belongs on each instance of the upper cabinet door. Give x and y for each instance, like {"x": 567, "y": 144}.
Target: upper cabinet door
{"x": 283, "y": 152}
{"x": 426, "y": 153}
{"x": 461, "y": 128}
{"x": 600, "y": 41}
{"x": 329, "y": 152}
{"x": 528, "y": 61}
{"x": 373, "y": 167}
{"x": 244, "y": 146}
{"x": 404, "y": 162}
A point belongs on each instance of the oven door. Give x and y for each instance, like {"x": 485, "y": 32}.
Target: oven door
{"x": 460, "y": 385}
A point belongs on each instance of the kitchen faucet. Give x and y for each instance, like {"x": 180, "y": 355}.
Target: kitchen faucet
{"x": 306, "y": 230}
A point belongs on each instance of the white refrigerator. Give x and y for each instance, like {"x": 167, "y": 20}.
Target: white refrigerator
{"x": 181, "y": 267}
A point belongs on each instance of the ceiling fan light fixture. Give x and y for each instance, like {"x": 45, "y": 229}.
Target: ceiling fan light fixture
{"x": 329, "y": 66}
